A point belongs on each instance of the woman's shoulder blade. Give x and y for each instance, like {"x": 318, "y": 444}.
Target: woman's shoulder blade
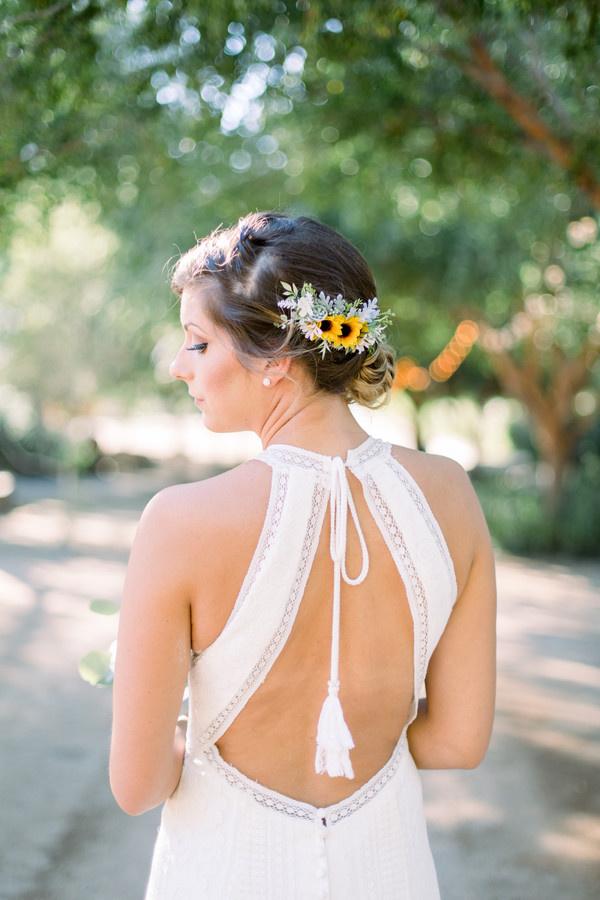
{"x": 451, "y": 497}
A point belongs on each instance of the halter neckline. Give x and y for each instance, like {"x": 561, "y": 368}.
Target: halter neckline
{"x": 352, "y": 453}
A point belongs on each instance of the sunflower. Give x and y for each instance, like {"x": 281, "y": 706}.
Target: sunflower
{"x": 330, "y": 328}
{"x": 347, "y": 331}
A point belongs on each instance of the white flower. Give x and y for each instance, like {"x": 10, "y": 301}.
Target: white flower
{"x": 304, "y": 307}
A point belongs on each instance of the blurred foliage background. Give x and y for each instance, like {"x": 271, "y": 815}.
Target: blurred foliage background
{"x": 456, "y": 144}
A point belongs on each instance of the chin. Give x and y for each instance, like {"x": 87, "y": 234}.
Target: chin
{"x": 220, "y": 427}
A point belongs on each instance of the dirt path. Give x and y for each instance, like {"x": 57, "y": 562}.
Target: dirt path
{"x": 525, "y": 825}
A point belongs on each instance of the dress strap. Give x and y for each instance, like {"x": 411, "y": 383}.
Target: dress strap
{"x": 334, "y": 740}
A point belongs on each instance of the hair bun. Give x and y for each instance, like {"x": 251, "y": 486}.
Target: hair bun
{"x": 372, "y": 384}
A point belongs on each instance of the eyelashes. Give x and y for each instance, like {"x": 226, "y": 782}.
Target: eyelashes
{"x": 198, "y": 347}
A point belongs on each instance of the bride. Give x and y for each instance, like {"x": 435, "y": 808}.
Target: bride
{"x": 330, "y": 604}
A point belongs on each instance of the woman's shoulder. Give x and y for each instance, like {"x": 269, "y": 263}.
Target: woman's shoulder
{"x": 444, "y": 479}
{"x": 444, "y": 482}
{"x": 450, "y": 494}
{"x": 211, "y": 509}
{"x": 206, "y": 505}
{"x": 220, "y": 484}
{"x": 433, "y": 467}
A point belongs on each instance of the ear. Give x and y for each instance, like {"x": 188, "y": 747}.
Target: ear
{"x": 276, "y": 368}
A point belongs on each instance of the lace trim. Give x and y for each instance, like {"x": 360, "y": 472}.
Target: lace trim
{"x": 259, "y": 793}
{"x": 376, "y": 447}
{"x": 372, "y": 787}
{"x": 318, "y": 498}
{"x": 270, "y": 525}
{"x": 308, "y": 459}
{"x": 296, "y": 808}
{"x": 397, "y": 538}
{"x": 272, "y": 518}
{"x": 296, "y": 458}
{"x": 427, "y": 513}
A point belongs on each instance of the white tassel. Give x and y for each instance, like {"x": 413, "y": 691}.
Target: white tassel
{"x": 334, "y": 740}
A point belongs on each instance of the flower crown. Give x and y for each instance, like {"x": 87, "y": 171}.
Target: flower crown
{"x": 333, "y": 321}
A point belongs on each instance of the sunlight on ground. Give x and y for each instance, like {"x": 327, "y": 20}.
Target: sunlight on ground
{"x": 463, "y": 808}
{"x": 84, "y": 576}
{"x": 579, "y": 838}
{"x": 47, "y": 523}
{"x": 566, "y": 670}
{"x": 554, "y": 739}
{"x": 541, "y": 703}
{"x": 15, "y": 594}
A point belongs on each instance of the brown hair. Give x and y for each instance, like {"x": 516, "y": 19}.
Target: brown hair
{"x": 249, "y": 261}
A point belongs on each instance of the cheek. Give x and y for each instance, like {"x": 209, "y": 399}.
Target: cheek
{"x": 219, "y": 373}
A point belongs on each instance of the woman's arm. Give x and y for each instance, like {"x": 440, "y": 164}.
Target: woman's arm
{"x": 152, "y": 659}
{"x": 454, "y": 723}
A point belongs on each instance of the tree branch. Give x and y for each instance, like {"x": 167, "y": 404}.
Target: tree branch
{"x": 539, "y": 76}
{"x": 570, "y": 377}
{"x": 482, "y": 69}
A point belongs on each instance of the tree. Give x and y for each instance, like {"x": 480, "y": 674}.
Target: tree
{"x": 546, "y": 353}
{"x": 451, "y": 141}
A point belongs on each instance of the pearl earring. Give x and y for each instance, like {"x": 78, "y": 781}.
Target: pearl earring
{"x": 266, "y": 381}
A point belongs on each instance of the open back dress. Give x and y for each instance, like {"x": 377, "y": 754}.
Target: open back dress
{"x": 223, "y": 835}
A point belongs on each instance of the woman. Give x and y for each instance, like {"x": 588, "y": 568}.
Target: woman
{"x": 298, "y": 776}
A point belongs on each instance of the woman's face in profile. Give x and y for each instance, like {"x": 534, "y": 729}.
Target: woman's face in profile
{"x": 221, "y": 387}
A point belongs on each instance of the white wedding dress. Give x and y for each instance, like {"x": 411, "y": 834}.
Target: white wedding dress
{"x": 223, "y": 836}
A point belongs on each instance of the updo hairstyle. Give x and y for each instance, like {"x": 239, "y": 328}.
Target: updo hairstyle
{"x": 245, "y": 264}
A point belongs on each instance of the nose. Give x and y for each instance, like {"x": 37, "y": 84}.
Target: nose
{"x": 176, "y": 370}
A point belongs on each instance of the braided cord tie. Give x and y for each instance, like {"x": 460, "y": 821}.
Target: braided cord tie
{"x": 334, "y": 740}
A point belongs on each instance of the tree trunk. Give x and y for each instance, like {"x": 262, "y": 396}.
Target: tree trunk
{"x": 549, "y": 403}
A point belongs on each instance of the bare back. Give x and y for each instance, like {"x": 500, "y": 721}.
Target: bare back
{"x": 271, "y": 740}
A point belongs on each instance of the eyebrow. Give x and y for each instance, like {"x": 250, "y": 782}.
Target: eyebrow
{"x": 187, "y": 325}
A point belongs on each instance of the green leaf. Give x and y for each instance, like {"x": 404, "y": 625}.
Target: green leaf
{"x": 95, "y": 668}
{"x": 104, "y": 607}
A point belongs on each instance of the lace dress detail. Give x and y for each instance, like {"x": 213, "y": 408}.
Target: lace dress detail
{"x": 297, "y": 808}
{"x": 295, "y": 458}
{"x": 222, "y": 721}
{"x": 270, "y": 525}
{"x": 423, "y": 506}
{"x": 224, "y": 836}
{"x": 395, "y": 534}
